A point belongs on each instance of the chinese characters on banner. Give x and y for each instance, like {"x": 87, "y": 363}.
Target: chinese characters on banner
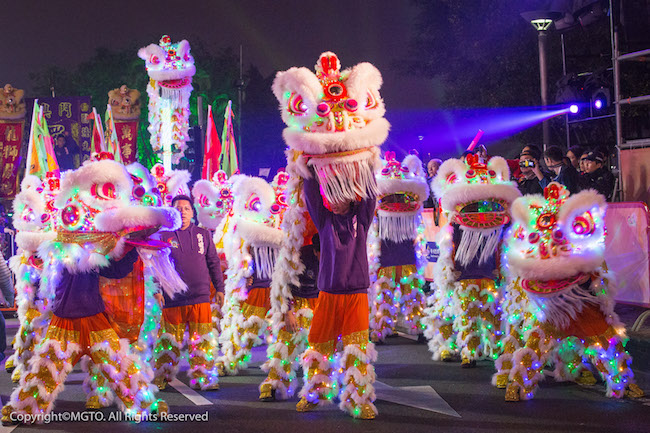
{"x": 11, "y": 136}
{"x": 127, "y": 136}
{"x": 68, "y": 114}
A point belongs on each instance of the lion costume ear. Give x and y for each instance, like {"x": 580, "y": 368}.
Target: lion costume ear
{"x": 363, "y": 84}
{"x": 500, "y": 166}
{"x": 152, "y": 54}
{"x": 298, "y": 91}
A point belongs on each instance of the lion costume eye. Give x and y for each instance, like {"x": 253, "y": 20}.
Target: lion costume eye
{"x": 104, "y": 191}
{"x": 254, "y": 203}
{"x": 296, "y": 106}
{"x": 584, "y": 224}
{"x": 204, "y": 201}
{"x": 371, "y": 101}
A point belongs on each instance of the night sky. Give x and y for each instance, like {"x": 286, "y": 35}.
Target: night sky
{"x": 275, "y": 35}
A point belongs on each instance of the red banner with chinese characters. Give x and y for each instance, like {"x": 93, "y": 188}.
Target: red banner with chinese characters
{"x": 11, "y": 136}
{"x": 127, "y": 135}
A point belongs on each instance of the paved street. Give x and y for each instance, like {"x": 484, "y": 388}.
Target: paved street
{"x": 414, "y": 394}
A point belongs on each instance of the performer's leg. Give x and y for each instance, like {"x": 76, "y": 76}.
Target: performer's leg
{"x": 284, "y": 355}
{"x": 30, "y": 334}
{"x": 320, "y": 383}
{"x": 491, "y": 328}
{"x": 127, "y": 376}
{"x": 52, "y": 361}
{"x": 438, "y": 321}
{"x": 386, "y": 305}
{"x": 167, "y": 353}
{"x": 412, "y": 302}
{"x": 203, "y": 348}
{"x": 609, "y": 356}
{"x": 357, "y": 389}
{"x": 569, "y": 364}
{"x": 528, "y": 363}
{"x": 503, "y": 364}
{"x": 98, "y": 393}
{"x": 468, "y": 309}
{"x": 254, "y": 324}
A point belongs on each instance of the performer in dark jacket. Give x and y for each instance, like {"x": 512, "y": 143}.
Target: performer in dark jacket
{"x": 197, "y": 262}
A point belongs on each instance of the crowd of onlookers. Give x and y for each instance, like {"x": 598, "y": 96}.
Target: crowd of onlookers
{"x": 577, "y": 169}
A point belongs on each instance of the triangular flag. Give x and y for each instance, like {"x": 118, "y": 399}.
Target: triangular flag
{"x": 97, "y": 144}
{"x": 212, "y": 149}
{"x": 51, "y": 162}
{"x": 40, "y": 154}
{"x": 112, "y": 143}
{"x": 229, "y": 162}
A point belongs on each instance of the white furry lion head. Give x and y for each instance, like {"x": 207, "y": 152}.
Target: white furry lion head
{"x": 475, "y": 194}
{"x": 555, "y": 236}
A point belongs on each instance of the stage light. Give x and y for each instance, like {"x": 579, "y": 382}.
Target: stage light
{"x": 573, "y": 108}
{"x": 600, "y": 98}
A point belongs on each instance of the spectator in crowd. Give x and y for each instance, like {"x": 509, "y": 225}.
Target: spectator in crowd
{"x": 431, "y": 202}
{"x": 574, "y": 153}
{"x": 66, "y": 150}
{"x": 528, "y": 160}
{"x": 597, "y": 176}
{"x": 432, "y": 170}
{"x": 482, "y": 153}
{"x": 7, "y": 288}
{"x": 561, "y": 172}
{"x": 583, "y": 158}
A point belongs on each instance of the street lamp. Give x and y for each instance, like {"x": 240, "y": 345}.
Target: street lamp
{"x": 542, "y": 21}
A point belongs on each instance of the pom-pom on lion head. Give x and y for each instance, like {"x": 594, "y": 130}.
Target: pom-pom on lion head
{"x": 170, "y": 64}
{"x": 556, "y": 237}
{"x": 335, "y": 119}
{"x": 475, "y": 194}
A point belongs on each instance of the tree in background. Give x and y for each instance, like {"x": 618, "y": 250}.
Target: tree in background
{"x": 215, "y": 80}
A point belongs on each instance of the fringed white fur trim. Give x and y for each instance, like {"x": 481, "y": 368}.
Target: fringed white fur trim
{"x": 347, "y": 178}
{"x": 159, "y": 264}
{"x": 309, "y": 390}
{"x": 477, "y": 242}
{"x": 563, "y": 307}
{"x": 398, "y": 227}
{"x": 91, "y": 386}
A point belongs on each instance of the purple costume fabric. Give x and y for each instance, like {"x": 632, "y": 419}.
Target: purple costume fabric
{"x": 343, "y": 256}
{"x": 397, "y": 253}
{"x": 77, "y": 295}
{"x": 308, "y": 279}
{"x": 197, "y": 262}
{"x": 474, "y": 270}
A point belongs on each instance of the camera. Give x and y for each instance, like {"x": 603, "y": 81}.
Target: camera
{"x": 526, "y": 163}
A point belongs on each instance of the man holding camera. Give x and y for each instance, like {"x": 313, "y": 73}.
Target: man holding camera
{"x": 528, "y": 161}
